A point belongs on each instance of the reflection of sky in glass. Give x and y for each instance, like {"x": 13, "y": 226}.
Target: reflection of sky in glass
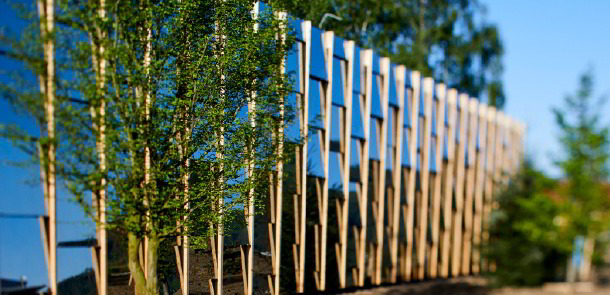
{"x": 390, "y": 139}
{"x": 295, "y": 25}
{"x": 446, "y": 112}
{"x": 433, "y": 117}
{"x": 335, "y": 181}
{"x": 292, "y": 132}
{"x": 355, "y": 154}
{"x": 421, "y": 101}
{"x": 376, "y": 96}
{"x": 293, "y": 67}
{"x": 335, "y": 127}
{"x": 390, "y": 127}
{"x": 393, "y": 99}
{"x": 407, "y": 105}
{"x": 356, "y": 71}
{"x": 406, "y": 161}
{"x": 389, "y": 159}
{"x": 357, "y": 124}
{"x": 338, "y": 83}
{"x": 317, "y": 65}
{"x": 375, "y": 63}
{"x": 314, "y": 155}
{"x": 432, "y": 156}
{"x": 338, "y": 49}
{"x": 315, "y": 109}
{"x": 373, "y": 142}
{"x": 478, "y": 141}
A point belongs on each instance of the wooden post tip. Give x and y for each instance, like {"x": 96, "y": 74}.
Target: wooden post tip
{"x": 440, "y": 88}
{"x": 463, "y": 100}
{"x": 415, "y": 76}
{"x": 428, "y": 84}
{"x": 491, "y": 113}
{"x": 452, "y": 96}
{"x": 472, "y": 105}
{"x": 483, "y": 110}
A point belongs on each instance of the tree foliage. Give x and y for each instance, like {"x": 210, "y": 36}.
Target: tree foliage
{"x": 584, "y": 160}
{"x": 448, "y": 40}
{"x": 163, "y": 127}
{"x": 527, "y": 243}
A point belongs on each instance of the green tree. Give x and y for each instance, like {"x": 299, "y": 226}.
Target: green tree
{"x": 163, "y": 135}
{"x": 448, "y": 40}
{"x": 584, "y": 161}
{"x": 528, "y": 245}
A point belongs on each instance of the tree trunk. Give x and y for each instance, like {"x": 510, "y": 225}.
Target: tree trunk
{"x": 585, "y": 269}
{"x": 135, "y": 268}
{"x": 153, "y": 250}
{"x": 165, "y": 288}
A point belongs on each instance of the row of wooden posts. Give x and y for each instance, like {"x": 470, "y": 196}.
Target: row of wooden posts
{"x": 427, "y": 156}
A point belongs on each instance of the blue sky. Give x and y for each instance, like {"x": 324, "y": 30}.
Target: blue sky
{"x": 548, "y": 45}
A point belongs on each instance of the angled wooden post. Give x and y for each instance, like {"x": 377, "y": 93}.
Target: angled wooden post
{"x": 470, "y": 182}
{"x": 478, "y": 191}
{"x": 397, "y": 147}
{"x": 459, "y": 187}
{"x": 489, "y": 177}
{"x": 366, "y": 74}
{"x": 298, "y": 248}
{"x": 378, "y": 200}
{"x": 346, "y": 134}
{"x": 47, "y": 153}
{"x": 449, "y": 176}
{"x": 410, "y": 189}
{"x": 326, "y": 101}
{"x": 440, "y": 169}
{"x": 424, "y": 173}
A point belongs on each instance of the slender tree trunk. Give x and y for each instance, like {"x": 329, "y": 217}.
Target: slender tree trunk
{"x": 135, "y": 268}
{"x": 98, "y": 114}
{"x": 587, "y": 253}
{"x": 46, "y": 81}
{"x": 153, "y": 249}
{"x": 165, "y": 288}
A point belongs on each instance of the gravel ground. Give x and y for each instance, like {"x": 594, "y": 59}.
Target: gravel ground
{"x": 475, "y": 286}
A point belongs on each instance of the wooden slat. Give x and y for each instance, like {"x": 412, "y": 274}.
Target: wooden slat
{"x": 366, "y": 61}
{"x": 478, "y": 193}
{"x": 397, "y": 171}
{"x": 302, "y": 160}
{"x": 381, "y": 183}
{"x": 470, "y": 182}
{"x": 489, "y": 174}
{"x": 424, "y": 178}
{"x": 327, "y": 113}
{"x": 459, "y": 188}
{"x": 448, "y": 184}
{"x": 346, "y": 146}
{"x": 410, "y": 189}
{"x": 436, "y": 199}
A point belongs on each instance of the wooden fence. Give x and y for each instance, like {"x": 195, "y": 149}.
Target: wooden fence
{"x": 422, "y": 160}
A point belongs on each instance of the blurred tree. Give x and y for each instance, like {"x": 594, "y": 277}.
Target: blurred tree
{"x": 527, "y": 243}
{"x": 584, "y": 162}
{"x": 448, "y": 40}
